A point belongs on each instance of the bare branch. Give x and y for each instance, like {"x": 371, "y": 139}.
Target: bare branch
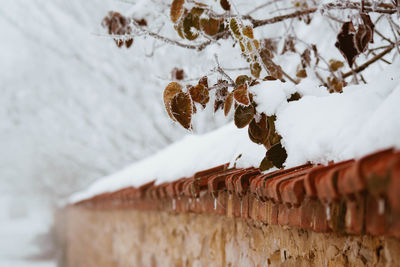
{"x": 258, "y": 23}
{"x": 369, "y": 62}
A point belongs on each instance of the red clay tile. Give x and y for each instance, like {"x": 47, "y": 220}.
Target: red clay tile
{"x": 211, "y": 171}
{"x": 393, "y": 192}
{"x": 375, "y": 213}
{"x": 242, "y": 182}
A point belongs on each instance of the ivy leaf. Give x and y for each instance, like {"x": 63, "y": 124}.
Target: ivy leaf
{"x": 258, "y": 131}
{"x": 228, "y": 104}
{"x": 277, "y": 155}
{"x": 345, "y": 42}
{"x": 170, "y": 91}
{"x": 241, "y": 95}
{"x": 181, "y": 108}
{"x": 199, "y": 94}
{"x": 176, "y": 10}
{"x": 244, "y": 115}
{"x": 225, "y": 5}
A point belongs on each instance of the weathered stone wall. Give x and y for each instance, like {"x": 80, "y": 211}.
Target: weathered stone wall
{"x": 127, "y": 237}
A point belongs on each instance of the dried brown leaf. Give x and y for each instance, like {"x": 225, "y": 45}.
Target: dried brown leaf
{"x": 244, "y": 115}
{"x": 204, "y": 81}
{"x": 277, "y": 155}
{"x": 255, "y": 69}
{"x": 228, "y": 104}
{"x": 241, "y": 94}
{"x": 170, "y": 91}
{"x": 176, "y": 10}
{"x": 177, "y": 74}
{"x": 225, "y": 5}
{"x": 210, "y": 26}
{"x": 335, "y": 64}
{"x": 182, "y": 108}
{"x": 345, "y": 42}
{"x": 258, "y": 130}
{"x": 199, "y": 94}
{"x": 266, "y": 164}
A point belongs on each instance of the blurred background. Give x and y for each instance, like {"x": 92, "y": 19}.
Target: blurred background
{"x": 73, "y": 108}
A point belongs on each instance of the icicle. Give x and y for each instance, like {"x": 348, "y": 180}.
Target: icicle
{"x": 173, "y": 204}
{"x": 328, "y": 212}
{"x": 215, "y": 203}
{"x": 381, "y": 206}
{"x": 241, "y": 207}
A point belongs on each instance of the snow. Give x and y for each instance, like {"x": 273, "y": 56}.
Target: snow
{"x": 323, "y": 127}
{"x": 182, "y": 159}
{"x": 318, "y": 128}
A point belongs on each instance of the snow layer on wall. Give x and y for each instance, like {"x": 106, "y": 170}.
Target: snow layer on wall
{"x": 318, "y": 128}
{"x": 182, "y": 159}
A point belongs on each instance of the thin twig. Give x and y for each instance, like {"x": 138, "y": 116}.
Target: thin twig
{"x": 258, "y": 23}
{"x": 220, "y": 70}
{"x": 369, "y": 62}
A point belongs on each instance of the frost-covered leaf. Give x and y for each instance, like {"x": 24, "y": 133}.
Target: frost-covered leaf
{"x": 301, "y": 73}
{"x": 241, "y": 94}
{"x": 258, "y": 130}
{"x": 242, "y": 79}
{"x": 362, "y": 37}
{"x": 335, "y": 64}
{"x": 234, "y": 26}
{"x": 204, "y": 81}
{"x": 306, "y": 58}
{"x": 210, "y": 26}
{"x": 244, "y": 115}
{"x": 176, "y": 10}
{"x": 170, "y": 91}
{"x": 273, "y": 136}
{"x": 345, "y": 42}
{"x": 255, "y": 69}
{"x": 368, "y": 23}
{"x": 248, "y": 31}
{"x": 128, "y": 43}
{"x": 277, "y": 155}
{"x": 225, "y": 4}
{"x": 228, "y": 104}
{"x": 177, "y": 74}
{"x": 190, "y": 25}
{"x": 289, "y": 45}
{"x": 220, "y": 94}
{"x": 199, "y": 94}
{"x": 181, "y": 108}
{"x": 294, "y": 97}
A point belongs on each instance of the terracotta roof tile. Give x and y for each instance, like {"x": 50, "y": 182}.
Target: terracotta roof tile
{"x": 354, "y": 197}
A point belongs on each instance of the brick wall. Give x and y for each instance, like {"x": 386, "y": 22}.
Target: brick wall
{"x": 128, "y": 237}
